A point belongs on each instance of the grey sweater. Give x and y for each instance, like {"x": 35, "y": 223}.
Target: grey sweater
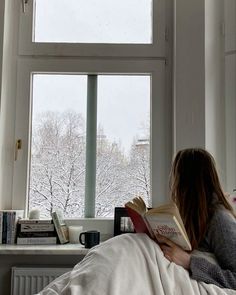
{"x": 221, "y": 241}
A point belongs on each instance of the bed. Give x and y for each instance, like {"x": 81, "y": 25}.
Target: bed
{"x": 130, "y": 264}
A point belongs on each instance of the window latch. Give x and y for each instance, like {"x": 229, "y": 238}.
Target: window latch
{"x": 24, "y": 3}
{"x": 18, "y": 149}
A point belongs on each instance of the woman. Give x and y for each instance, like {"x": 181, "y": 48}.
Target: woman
{"x": 134, "y": 264}
{"x": 208, "y": 217}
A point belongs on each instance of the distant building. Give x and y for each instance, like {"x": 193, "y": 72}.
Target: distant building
{"x": 142, "y": 143}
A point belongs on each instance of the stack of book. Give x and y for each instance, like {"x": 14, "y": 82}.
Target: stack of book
{"x": 8, "y": 221}
{"x": 36, "y": 232}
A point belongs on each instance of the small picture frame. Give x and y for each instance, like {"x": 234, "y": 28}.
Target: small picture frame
{"x": 122, "y": 222}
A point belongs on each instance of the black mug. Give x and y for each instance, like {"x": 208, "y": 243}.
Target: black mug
{"x": 91, "y": 238}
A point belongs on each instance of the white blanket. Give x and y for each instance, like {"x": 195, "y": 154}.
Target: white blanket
{"x": 129, "y": 264}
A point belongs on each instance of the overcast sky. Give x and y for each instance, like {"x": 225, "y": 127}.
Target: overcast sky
{"x": 123, "y": 101}
{"x": 112, "y": 21}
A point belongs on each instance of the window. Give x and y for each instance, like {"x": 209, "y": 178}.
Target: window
{"x": 104, "y": 21}
{"x": 58, "y": 143}
{"x": 123, "y": 141}
{"x": 88, "y": 126}
{"x": 93, "y": 28}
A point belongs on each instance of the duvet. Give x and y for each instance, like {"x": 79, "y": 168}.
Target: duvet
{"x": 129, "y": 264}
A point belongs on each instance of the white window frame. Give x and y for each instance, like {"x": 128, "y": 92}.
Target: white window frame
{"x": 75, "y": 58}
{"x": 159, "y": 107}
{"x": 156, "y": 49}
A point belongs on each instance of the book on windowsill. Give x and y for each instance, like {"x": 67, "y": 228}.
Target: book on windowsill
{"x": 36, "y": 234}
{"x": 34, "y": 221}
{"x": 164, "y": 220}
{"x": 35, "y": 227}
{"x": 60, "y": 226}
{"x": 8, "y": 225}
{"x": 36, "y": 241}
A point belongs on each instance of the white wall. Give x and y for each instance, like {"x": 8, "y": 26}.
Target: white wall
{"x": 2, "y": 7}
{"x": 230, "y": 26}
{"x": 230, "y": 101}
{"x": 200, "y": 104}
{"x": 214, "y": 84}
{"x": 189, "y": 74}
{"x": 230, "y": 91}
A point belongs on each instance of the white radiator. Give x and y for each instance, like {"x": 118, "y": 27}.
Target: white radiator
{"x": 31, "y": 280}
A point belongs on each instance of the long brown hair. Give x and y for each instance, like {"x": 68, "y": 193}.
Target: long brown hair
{"x": 196, "y": 190}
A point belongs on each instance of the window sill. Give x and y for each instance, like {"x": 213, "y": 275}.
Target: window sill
{"x": 104, "y": 225}
{"x": 66, "y": 249}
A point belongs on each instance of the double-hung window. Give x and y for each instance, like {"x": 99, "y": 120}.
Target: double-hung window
{"x": 92, "y": 114}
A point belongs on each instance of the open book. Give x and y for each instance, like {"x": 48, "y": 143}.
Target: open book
{"x": 164, "y": 220}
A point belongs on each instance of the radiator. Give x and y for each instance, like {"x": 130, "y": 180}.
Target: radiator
{"x": 31, "y": 280}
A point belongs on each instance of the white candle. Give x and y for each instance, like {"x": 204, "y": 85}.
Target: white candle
{"x": 34, "y": 213}
{"x": 74, "y": 232}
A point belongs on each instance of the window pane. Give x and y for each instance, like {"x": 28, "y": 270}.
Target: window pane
{"x": 57, "y": 168}
{"x": 93, "y": 21}
{"x": 123, "y": 137}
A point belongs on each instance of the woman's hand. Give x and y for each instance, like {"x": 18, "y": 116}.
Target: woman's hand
{"x": 173, "y": 252}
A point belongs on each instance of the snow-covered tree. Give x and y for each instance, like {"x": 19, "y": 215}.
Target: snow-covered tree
{"x": 57, "y": 171}
{"x": 111, "y": 177}
{"x": 58, "y": 163}
{"x": 139, "y": 170}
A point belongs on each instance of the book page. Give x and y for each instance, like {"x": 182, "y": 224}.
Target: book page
{"x": 170, "y": 209}
{"x": 166, "y": 225}
{"x": 138, "y": 205}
